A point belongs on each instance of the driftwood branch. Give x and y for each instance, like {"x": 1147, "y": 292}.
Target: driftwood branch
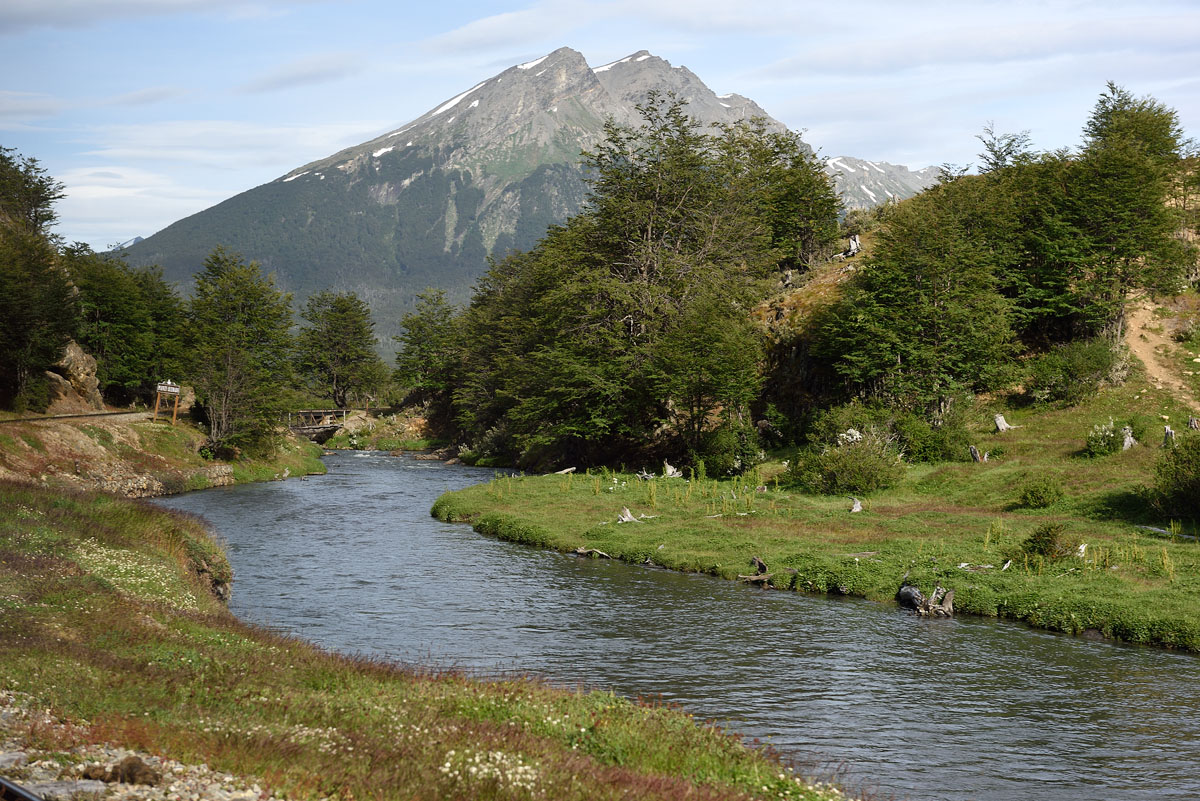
{"x": 592, "y": 552}
{"x": 1002, "y": 424}
{"x": 940, "y": 604}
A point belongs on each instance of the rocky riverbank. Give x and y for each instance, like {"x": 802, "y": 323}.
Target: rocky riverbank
{"x": 89, "y": 770}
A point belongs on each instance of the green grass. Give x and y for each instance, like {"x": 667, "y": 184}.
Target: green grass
{"x": 293, "y": 457}
{"x": 107, "y": 621}
{"x": 1130, "y": 584}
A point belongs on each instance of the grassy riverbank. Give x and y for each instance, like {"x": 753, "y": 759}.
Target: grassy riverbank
{"x": 137, "y": 457}
{"x": 108, "y": 620}
{"x": 953, "y": 524}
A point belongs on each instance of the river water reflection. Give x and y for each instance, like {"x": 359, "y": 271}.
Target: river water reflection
{"x": 960, "y": 709}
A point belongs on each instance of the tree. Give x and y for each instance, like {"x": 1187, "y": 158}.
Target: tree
{"x": 38, "y": 315}
{"x": 336, "y": 351}
{"x": 429, "y": 351}
{"x": 27, "y": 192}
{"x": 922, "y": 321}
{"x": 787, "y": 186}
{"x": 37, "y": 305}
{"x": 1002, "y": 150}
{"x": 240, "y": 349}
{"x": 130, "y": 321}
{"x": 1121, "y": 184}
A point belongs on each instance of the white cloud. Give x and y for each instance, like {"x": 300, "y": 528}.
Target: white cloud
{"x": 20, "y": 15}
{"x": 17, "y": 108}
{"x": 305, "y": 72}
{"x": 145, "y": 97}
{"x": 226, "y": 144}
{"x": 114, "y": 203}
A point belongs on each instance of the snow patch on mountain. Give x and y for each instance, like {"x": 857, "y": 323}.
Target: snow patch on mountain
{"x": 611, "y": 64}
{"x": 449, "y": 104}
{"x": 528, "y": 65}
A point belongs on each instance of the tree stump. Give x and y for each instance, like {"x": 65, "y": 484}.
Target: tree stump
{"x": 1002, "y": 425}
{"x": 1168, "y": 437}
{"x": 1129, "y": 442}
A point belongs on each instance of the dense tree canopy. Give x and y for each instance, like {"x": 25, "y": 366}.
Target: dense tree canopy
{"x": 626, "y": 332}
{"x": 37, "y": 304}
{"x": 336, "y": 350}
{"x": 1041, "y": 249}
{"x": 130, "y": 321}
{"x": 239, "y": 349}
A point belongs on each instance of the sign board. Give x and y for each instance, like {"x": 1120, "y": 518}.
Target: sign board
{"x": 170, "y": 389}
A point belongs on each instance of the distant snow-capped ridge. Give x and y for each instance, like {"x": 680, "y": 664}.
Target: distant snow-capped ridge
{"x": 865, "y": 184}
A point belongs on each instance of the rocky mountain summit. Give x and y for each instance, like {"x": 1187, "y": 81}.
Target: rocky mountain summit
{"x": 865, "y": 184}
{"x": 481, "y": 174}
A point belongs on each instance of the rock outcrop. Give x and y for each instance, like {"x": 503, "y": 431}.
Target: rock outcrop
{"x": 73, "y": 384}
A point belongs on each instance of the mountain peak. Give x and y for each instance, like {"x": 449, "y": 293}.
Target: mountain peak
{"x": 482, "y": 173}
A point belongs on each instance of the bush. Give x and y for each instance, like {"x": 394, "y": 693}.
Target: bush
{"x": 860, "y": 462}
{"x": 728, "y": 451}
{"x": 1040, "y": 492}
{"x": 923, "y": 442}
{"x": 1103, "y": 439}
{"x": 1050, "y": 541}
{"x": 1177, "y": 479}
{"x": 917, "y": 438}
{"x": 1071, "y": 373}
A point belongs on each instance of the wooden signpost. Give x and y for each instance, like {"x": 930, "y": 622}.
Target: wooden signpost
{"x": 169, "y": 389}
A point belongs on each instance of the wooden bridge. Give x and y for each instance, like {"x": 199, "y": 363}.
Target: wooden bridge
{"x": 317, "y": 424}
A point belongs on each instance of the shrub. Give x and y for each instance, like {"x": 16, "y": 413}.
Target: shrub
{"x": 923, "y": 442}
{"x": 859, "y": 462}
{"x": 918, "y": 439}
{"x": 1103, "y": 439}
{"x": 1050, "y": 541}
{"x": 1040, "y": 492}
{"x": 1071, "y": 373}
{"x": 728, "y": 451}
{"x": 1177, "y": 479}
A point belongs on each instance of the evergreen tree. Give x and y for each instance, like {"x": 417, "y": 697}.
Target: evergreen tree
{"x": 38, "y": 312}
{"x": 129, "y": 321}
{"x": 240, "y": 350}
{"x": 38, "y": 316}
{"x": 429, "y": 352}
{"x": 336, "y": 351}
{"x": 922, "y": 322}
{"x": 27, "y": 193}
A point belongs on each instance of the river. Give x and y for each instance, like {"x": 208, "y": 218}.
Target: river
{"x": 902, "y": 706}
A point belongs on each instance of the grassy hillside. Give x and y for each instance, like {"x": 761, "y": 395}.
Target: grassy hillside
{"x": 110, "y": 632}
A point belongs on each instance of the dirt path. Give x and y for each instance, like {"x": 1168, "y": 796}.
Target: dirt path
{"x": 1148, "y": 342}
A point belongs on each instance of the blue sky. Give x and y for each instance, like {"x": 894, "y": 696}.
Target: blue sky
{"x": 151, "y": 110}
